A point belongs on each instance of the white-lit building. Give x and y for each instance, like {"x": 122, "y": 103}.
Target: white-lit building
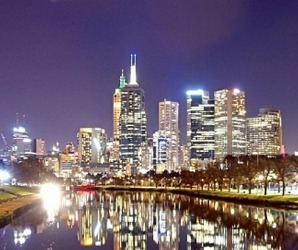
{"x": 200, "y": 126}
{"x": 229, "y": 123}
{"x": 264, "y": 133}
{"x": 92, "y": 147}
{"x": 21, "y": 142}
{"x": 168, "y": 123}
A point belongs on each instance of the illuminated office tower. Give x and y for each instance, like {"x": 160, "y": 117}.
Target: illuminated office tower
{"x": 21, "y": 140}
{"x": 264, "y": 133}
{"x": 200, "y": 126}
{"x": 114, "y": 154}
{"x": 168, "y": 122}
{"x": 133, "y": 123}
{"x": 91, "y": 146}
{"x": 229, "y": 123}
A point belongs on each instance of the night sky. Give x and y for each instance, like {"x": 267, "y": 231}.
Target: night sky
{"x": 60, "y": 60}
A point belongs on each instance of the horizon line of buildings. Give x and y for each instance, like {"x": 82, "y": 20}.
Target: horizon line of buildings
{"x": 216, "y": 127}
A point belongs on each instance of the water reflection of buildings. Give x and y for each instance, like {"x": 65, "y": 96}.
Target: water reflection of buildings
{"x": 136, "y": 218}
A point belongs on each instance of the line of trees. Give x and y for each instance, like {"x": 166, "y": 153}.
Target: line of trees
{"x": 32, "y": 171}
{"x": 249, "y": 172}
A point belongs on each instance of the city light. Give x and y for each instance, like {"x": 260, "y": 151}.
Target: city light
{"x": 51, "y": 198}
{"x": 195, "y": 92}
{"x": 236, "y": 91}
{"x": 4, "y": 175}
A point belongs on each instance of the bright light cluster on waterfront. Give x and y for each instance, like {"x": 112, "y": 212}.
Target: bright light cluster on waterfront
{"x": 51, "y": 195}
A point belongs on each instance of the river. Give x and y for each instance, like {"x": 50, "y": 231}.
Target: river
{"x": 144, "y": 220}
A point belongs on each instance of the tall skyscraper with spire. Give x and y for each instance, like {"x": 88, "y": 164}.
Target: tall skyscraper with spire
{"x": 114, "y": 153}
{"x": 132, "y": 123}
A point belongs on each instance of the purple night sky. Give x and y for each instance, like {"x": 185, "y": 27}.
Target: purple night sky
{"x": 60, "y": 60}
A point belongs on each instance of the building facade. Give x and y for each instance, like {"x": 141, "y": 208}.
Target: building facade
{"x": 264, "y": 133}
{"x": 92, "y": 147}
{"x": 21, "y": 142}
{"x": 38, "y": 146}
{"x": 132, "y": 123}
{"x": 114, "y": 152}
{"x": 229, "y": 123}
{"x": 168, "y": 122}
{"x": 161, "y": 151}
{"x": 200, "y": 126}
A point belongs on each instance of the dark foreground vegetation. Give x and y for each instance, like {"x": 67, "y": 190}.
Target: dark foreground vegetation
{"x": 249, "y": 174}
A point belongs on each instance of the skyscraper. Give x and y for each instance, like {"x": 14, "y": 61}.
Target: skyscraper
{"x": 114, "y": 153}
{"x": 21, "y": 140}
{"x": 91, "y": 146}
{"x": 264, "y": 133}
{"x": 133, "y": 122}
{"x": 229, "y": 123}
{"x": 168, "y": 122}
{"x": 200, "y": 126}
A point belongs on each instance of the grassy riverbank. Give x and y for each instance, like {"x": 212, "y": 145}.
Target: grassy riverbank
{"x": 14, "y": 200}
{"x": 271, "y": 200}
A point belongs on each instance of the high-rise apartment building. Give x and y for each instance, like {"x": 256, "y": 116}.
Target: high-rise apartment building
{"x": 200, "y": 126}
{"x": 133, "y": 122}
{"x": 91, "y": 146}
{"x": 229, "y": 123}
{"x": 168, "y": 122}
{"x": 264, "y": 133}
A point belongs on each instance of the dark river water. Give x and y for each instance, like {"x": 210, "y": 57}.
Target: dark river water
{"x": 143, "y": 220}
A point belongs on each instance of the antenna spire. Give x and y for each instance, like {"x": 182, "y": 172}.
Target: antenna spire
{"x": 133, "y": 69}
{"x": 122, "y": 81}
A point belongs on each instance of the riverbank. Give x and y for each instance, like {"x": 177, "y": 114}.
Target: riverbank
{"x": 14, "y": 201}
{"x": 288, "y": 202}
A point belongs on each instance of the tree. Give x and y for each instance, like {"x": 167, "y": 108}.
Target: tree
{"x": 249, "y": 170}
{"x": 32, "y": 170}
{"x": 265, "y": 167}
{"x": 284, "y": 168}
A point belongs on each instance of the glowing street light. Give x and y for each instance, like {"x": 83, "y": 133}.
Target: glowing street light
{"x": 4, "y": 176}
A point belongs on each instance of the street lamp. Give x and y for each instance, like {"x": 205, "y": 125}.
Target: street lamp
{"x": 4, "y": 176}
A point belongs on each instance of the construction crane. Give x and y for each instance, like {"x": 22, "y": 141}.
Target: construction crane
{"x": 4, "y": 141}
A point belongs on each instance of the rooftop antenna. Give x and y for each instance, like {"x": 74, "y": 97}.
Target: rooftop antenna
{"x": 133, "y": 69}
{"x": 17, "y": 119}
{"x": 24, "y": 116}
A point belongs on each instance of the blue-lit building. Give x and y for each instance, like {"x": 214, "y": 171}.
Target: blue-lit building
{"x": 200, "y": 126}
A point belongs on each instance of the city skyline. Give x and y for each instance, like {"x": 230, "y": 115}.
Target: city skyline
{"x": 60, "y": 61}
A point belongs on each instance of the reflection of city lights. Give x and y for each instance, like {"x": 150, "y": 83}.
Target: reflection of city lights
{"x": 20, "y": 237}
{"x": 97, "y": 228}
